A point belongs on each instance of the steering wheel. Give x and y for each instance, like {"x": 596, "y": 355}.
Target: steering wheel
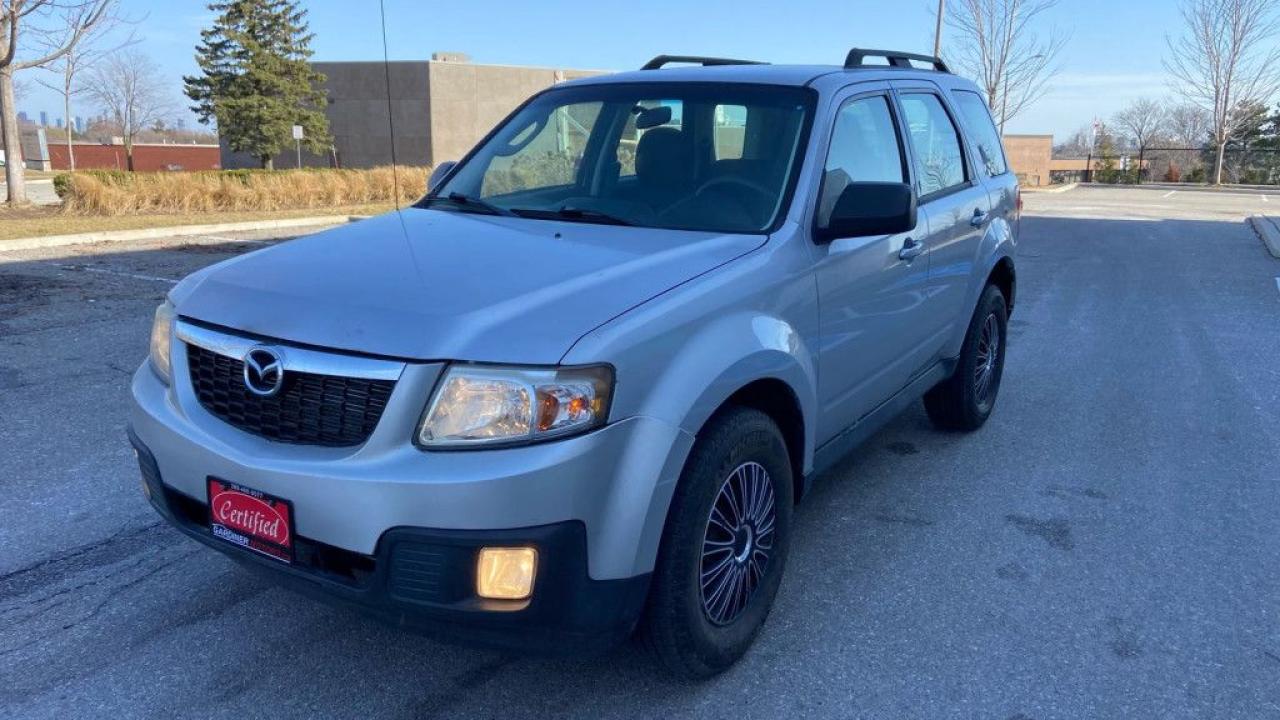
{"x": 734, "y": 180}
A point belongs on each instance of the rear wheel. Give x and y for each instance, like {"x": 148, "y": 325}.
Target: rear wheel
{"x": 724, "y": 547}
{"x": 965, "y": 400}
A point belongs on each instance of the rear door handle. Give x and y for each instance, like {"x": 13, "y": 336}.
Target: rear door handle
{"x": 911, "y": 249}
{"x": 979, "y": 218}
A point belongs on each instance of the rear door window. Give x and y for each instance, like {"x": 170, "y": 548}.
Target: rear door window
{"x": 982, "y": 130}
{"x": 935, "y": 142}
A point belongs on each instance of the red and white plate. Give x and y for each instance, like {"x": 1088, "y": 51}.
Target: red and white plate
{"x": 251, "y": 519}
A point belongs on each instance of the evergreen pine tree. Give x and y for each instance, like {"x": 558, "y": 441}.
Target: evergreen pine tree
{"x": 255, "y": 82}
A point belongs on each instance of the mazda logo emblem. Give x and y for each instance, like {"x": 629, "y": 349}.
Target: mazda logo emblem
{"x": 263, "y": 371}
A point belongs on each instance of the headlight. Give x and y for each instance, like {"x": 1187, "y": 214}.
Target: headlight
{"x": 161, "y": 339}
{"x": 476, "y": 405}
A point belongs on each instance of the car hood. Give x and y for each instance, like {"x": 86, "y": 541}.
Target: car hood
{"x": 435, "y": 285}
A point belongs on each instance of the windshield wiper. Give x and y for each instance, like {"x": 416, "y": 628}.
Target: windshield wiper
{"x": 573, "y": 214}
{"x": 458, "y": 198}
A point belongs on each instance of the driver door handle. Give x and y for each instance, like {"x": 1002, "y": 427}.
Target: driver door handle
{"x": 979, "y": 217}
{"x": 911, "y": 249}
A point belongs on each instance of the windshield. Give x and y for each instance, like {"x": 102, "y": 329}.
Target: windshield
{"x": 687, "y": 156}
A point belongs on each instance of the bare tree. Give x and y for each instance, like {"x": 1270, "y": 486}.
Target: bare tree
{"x": 1188, "y": 125}
{"x": 1227, "y": 58}
{"x": 127, "y": 86}
{"x": 68, "y": 68}
{"x": 51, "y": 28}
{"x": 1144, "y": 121}
{"x": 998, "y": 47}
{"x": 1078, "y": 144}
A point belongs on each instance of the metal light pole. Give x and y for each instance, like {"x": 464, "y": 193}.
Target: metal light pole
{"x": 937, "y": 30}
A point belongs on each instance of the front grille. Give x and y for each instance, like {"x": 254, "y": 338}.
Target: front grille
{"x": 310, "y": 409}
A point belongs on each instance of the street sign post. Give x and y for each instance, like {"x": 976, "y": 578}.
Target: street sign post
{"x": 297, "y": 141}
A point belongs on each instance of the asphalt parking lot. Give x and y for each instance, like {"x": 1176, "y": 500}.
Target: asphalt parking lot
{"x": 1107, "y": 546}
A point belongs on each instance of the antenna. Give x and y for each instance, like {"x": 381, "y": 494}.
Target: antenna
{"x": 391, "y": 122}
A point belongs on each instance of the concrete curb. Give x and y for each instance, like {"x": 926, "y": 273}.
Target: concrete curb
{"x": 50, "y": 241}
{"x": 1195, "y": 187}
{"x": 1268, "y": 228}
{"x": 1050, "y": 190}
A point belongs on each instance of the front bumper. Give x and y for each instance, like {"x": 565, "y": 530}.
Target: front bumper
{"x": 423, "y": 579}
{"x": 396, "y": 530}
{"x": 616, "y": 481}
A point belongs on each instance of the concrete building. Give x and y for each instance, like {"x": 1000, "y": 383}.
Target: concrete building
{"x": 439, "y": 109}
{"x": 1086, "y": 169}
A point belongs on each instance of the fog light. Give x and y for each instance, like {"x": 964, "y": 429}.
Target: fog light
{"x": 506, "y": 573}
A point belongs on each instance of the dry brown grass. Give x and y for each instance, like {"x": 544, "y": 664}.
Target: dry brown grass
{"x": 118, "y": 193}
{"x": 43, "y": 221}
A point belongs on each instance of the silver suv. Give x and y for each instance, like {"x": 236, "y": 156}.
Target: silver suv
{"x": 575, "y": 391}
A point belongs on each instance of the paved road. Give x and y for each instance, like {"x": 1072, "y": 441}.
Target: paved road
{"x": 1106, "y": 547}
{"x": 39, "y": 192}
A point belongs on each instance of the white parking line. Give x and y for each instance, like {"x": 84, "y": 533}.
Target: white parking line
{"x": 1171, "y": 193}
{"x": 117, "y": 273}
{"x": 1278, "y": 283}
{"x": 1265, "y": 199}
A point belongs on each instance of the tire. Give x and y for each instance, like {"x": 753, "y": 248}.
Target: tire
{"x": 694, "y": 636}
{"x": 962, "y": 402}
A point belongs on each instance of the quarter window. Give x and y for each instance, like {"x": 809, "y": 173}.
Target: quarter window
{"x": 937, "y": 158}
{"x": 982, "y": 129}
{"x": 864, "y": 148}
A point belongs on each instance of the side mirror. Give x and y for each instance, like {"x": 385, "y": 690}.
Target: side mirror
{"x": 870, "y": 208}
{"x": 439, "y": 173}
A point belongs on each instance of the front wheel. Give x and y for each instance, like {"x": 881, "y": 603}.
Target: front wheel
{"x": 724, "y": 547}
{"x": 965, "y": 400}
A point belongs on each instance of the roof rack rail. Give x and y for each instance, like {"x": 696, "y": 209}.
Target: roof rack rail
{"x": 896, "y": 58}
{"x": 661, "y": 60}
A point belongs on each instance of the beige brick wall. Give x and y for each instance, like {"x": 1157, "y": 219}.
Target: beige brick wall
{"x": 1029, "y": 156}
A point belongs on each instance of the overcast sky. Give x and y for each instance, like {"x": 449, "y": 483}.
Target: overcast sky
{"x": 1113, "y": 56}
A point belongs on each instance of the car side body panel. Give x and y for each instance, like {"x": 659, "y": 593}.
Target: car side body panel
{"x": 686, "y": 352}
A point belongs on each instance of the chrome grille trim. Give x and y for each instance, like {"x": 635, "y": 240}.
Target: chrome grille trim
{"x": 297, "y": 359}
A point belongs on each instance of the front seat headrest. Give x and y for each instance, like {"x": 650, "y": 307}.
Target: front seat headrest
{"x": 664, "y": 158}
